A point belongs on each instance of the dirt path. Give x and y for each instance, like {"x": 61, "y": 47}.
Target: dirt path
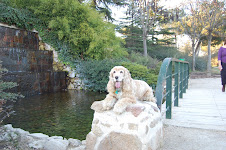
{"x": 180, "y": 138}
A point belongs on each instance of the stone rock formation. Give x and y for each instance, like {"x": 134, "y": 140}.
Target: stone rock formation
{"x": 20, "y": 139}
{"x": 139, "y": 128}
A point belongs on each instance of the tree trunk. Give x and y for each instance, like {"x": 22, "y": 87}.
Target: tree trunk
{"x": 198, "y": 47}
{"x": 144, "y": 13}
{"x": 209, "y": 56}
{"x": 145, "y": 42}
{"x": 193, "y": 56}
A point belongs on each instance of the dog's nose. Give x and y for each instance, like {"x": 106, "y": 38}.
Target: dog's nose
{"x": 116, "y": 77}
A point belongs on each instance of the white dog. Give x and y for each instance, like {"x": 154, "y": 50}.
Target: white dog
{"x": 123, "y": 91}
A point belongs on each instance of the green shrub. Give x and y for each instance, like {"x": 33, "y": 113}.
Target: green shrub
{"x": 162, "y": 51}
{"x": 141, "y": 72}
{"x": 95, "y": 73}
{"x": 73, "y": 29}
{"x": 81, "y": 28}
{"x": 21, "y": 18}
{"x": 136, "y": 70}
{"x": 201, "y": 63}
{"x": 146, "y": 61}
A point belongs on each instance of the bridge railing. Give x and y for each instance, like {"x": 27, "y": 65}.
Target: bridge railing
{"x": 171, "y": 69}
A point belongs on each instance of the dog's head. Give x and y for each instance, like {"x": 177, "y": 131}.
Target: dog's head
{"x": 119, "y": 75}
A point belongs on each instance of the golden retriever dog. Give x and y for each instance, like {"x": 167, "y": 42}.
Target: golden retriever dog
{"x": 123, "y": 91}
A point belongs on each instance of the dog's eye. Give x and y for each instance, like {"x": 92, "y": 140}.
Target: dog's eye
{"x": 121, "y": 71}
{"x": 114, "y": 72}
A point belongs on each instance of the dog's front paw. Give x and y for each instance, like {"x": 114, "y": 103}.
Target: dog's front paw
{"x": 119, "y": 109}
{"x": 108, "y": 104}
{"x": 97, "y": 106}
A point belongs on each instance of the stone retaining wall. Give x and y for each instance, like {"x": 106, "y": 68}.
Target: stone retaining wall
{"x": 24, "y": 51}
{"x": 74, "y": 81}
{"x": 29, "y": 67}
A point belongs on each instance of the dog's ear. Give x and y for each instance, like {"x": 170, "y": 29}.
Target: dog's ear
{"x": 110, "y": 85}
{"x": 111, "y": 74}
{"x": 127, "y": 81}
{"x": 127, "y": 73}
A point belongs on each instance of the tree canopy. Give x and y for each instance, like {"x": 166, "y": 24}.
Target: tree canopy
{"x": 203, "y": 22}
{"x": 78, "y": 31}
{"x": 74, "y": 29}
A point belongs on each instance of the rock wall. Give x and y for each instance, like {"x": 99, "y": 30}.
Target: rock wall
{"x": 31, "y": 68}
{"x": 139, "y": 128}
{"x": 74, "y": 80}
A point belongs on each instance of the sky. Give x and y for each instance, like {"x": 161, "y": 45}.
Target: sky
{"x": 171, "y": 3}
{"x": 119, "y": 12}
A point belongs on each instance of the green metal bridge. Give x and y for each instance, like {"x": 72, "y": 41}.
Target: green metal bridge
{"x": 172, "y": 70}
{"x": 202, "y": 105}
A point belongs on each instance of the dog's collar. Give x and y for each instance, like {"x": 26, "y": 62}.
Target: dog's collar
{"x": 116, "y": 92}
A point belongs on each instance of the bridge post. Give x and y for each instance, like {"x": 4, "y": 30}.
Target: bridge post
{"x": 176, "y": 83}
{"x": 181, "y": 80}
{"x": 187, "y": 76}
{"x": 184, "y": 78}
{"x": 169, "y": 91}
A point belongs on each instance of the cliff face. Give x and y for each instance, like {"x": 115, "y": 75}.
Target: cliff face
{"x": 29, "y": 67}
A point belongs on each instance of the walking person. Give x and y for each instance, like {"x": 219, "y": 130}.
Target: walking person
{"x": 222, "y": 64}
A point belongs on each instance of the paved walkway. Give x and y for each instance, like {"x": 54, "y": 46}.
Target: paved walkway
{"x": 203, "y": 106}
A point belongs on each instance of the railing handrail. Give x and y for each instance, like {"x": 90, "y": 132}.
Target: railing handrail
{"x": 180, "y": 74}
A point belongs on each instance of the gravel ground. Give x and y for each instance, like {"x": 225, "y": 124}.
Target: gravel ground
{"x": 180, "y": 138}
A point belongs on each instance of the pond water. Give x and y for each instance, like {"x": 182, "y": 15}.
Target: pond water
{"x": 66, "y": 114}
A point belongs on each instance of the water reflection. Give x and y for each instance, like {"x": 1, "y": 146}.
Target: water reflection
{"x": 66, "y": 114}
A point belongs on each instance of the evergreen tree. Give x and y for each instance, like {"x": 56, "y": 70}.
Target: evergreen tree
{"x": 6, "y": 97}
{"x": 157, "y": 31}
{"x": 103, "y": 6}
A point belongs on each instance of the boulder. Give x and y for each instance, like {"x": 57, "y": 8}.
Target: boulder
{"x": 37, "y": 144}
{"x": 138, "y": 128}
{"x": 38, "y": 136}
{"x": 38, "y": 141}
{"x": 56, "y": 144}
{"x": 74, "y": 142}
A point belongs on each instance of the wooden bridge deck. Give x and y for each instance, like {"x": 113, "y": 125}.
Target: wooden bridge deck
{"x": 202, "y": 106}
